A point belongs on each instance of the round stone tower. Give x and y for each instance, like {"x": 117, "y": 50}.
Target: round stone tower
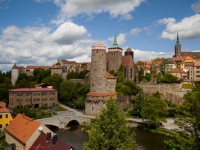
{"x": 98, "y": 68}
{"x": 102, "y": 84}
{"x": 114, "y": 56}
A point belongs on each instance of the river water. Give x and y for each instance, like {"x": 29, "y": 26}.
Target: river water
{"x": 75, "y": 138}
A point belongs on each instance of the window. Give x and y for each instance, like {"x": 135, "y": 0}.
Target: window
{"x": 0, "y": 126}
{"x": 0, "y": 116}
{"x": 197, "y": 75}
{"x": 197, "y": 71}
{"x": 6, "y": 115}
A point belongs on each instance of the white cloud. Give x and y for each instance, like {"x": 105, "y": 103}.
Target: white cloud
{"x": 187, "y": 28}
{"x": 36, "y": 46}
{"x": 196, "y": 6}
{"x": 68, "y": 32}
{"x": 135, "y": 31}
{"x": 72, "y": 8}
{"x": 140, "y": 55}
{"x": 166, "y": 21}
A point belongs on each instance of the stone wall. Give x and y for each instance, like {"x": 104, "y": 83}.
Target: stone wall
{"x": 171, "y": 92}
{"x": 82, "y": 81}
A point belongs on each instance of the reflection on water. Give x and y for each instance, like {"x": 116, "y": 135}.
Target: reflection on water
{"x": 150, "y": 141}
{"x": 75, "y": 138}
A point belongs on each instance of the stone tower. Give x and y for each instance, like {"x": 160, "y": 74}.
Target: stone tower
{"x": 129, "y": 52}
{"x": 102, "y": 84}
{"x": 177, "y": 48}
{"x": 114, "y": 56}
{"x": 98, "y": 68}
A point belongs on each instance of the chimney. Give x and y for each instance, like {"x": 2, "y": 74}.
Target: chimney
{"x": 48, "y": 136}
{"x": 55, "y": 139}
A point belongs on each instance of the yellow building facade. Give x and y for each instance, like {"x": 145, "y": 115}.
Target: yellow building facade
{"x": 5, "y": 116}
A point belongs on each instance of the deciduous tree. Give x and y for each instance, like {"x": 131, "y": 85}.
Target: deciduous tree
{"x": 109, "y": 130}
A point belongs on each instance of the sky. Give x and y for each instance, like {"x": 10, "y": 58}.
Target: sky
{"x": 39, "y": 32}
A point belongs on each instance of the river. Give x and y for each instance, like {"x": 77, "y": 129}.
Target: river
{"x": 75, "y": 137}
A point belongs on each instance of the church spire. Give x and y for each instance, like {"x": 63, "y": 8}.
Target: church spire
{"x": 177, "y": 41}
{"x": 115, "y": 44}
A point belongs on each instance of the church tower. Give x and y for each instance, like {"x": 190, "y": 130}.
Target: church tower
{"x": 114, "y": 56}
{"x": 177, "y": 48}
{"x": 102, "y": 84}
{"x": 129, "y": 51}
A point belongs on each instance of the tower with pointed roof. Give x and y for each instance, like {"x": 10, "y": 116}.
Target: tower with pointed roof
{"x": 102, "y": 84}
{"x": 177, "y": 47}
{"x": 129, "y": 51}
{"x": 114, "y": 56}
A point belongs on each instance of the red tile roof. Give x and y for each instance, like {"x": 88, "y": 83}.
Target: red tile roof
{"x": 127, "y": 61}
{"x": 41, "y": 144}
{"x": 175, "y": 59}
{"x": 187, "y": 58}
{"x": 17, "y": 67}
{"x": 32, "y": 90}
{"x": 3, "y": 108}
{"x": 56, "y": 67}
{"x": 108, "y": 75}
{"x": 22, "y": 127}
{"x": 177, "y": 70}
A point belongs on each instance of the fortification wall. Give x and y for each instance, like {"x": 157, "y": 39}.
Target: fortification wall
{"x": 171, "y": 92}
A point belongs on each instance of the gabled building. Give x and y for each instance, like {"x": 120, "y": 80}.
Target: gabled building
{"x": 5, "y": 115}
{"x": 181, "y": 74}
{"x": 24, "y": 133}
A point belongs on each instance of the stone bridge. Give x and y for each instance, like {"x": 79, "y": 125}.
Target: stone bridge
{"x": 62, "y": 119}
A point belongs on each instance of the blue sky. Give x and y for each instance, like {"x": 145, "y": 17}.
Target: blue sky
{"x": 38, "y": 32}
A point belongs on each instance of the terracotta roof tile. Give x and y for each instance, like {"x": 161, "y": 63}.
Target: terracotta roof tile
{"x": 22, "y": 127}
{"x": 108, "y": 75}
{"x": 127, "y": 61}
{"x": 56, "y": 67}
{"x": 177, "y": 70}
{"x": 31, "y": 89}
{"x": 41, "y": 144}
{"x": 3, "y": 108}
{"x": 175, "y": 59}
{"x": 188, "y": 58}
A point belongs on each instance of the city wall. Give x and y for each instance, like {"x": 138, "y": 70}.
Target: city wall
{"x": 172, "y": 92}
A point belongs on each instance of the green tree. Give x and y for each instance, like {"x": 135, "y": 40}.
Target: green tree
{"x": 189, "y": 113}
{"x": 127, "y": 88}
{"x": 67, "y": 92}
{"x": 109, "y": 130}
{"x": 167, "y": 78}
{"x": 54, "y": 80}
{"x": 72, "y": 75}
{"x": 154, "y": 110}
